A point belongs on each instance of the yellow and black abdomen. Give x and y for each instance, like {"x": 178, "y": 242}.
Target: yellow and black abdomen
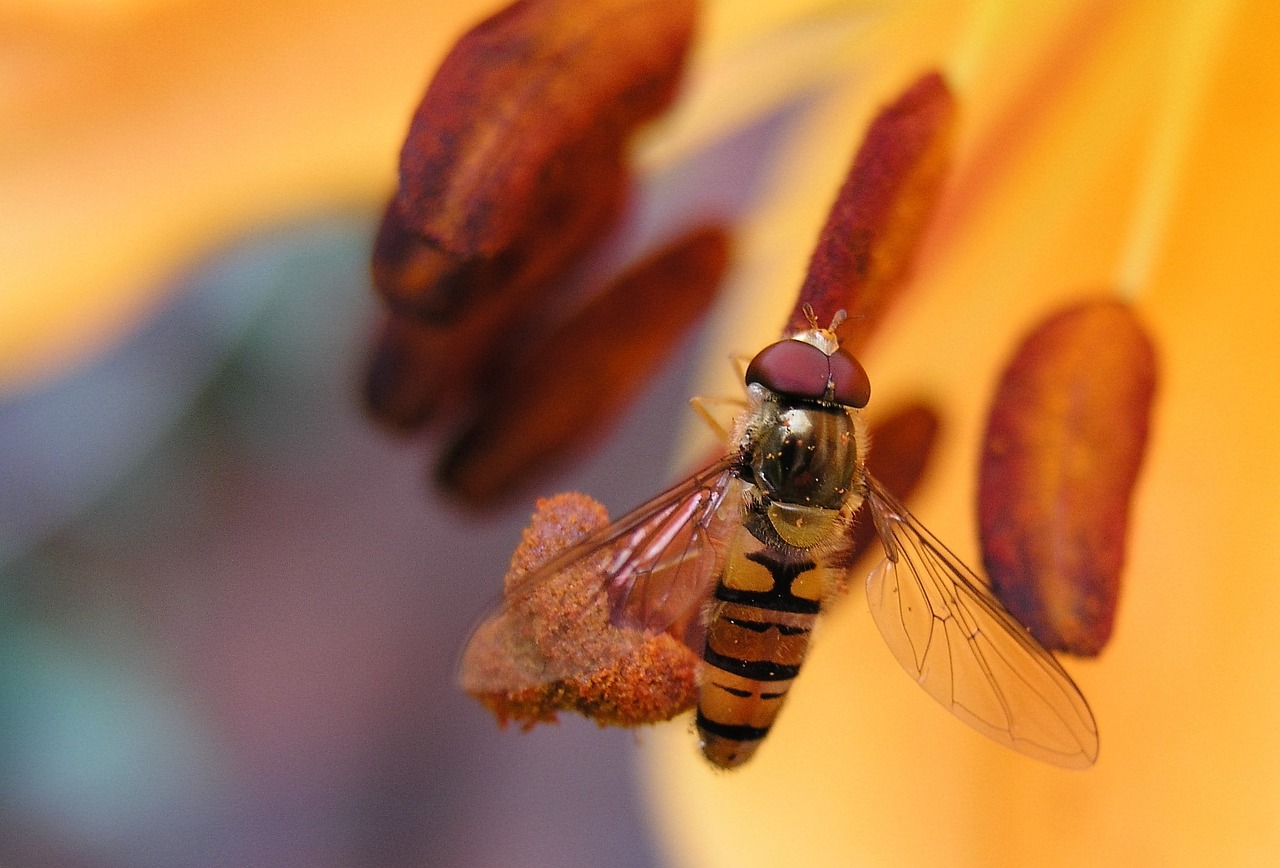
{"x": 758, "y": 631}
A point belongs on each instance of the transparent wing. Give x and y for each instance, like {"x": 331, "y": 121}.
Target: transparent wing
{"x": 948, "y": 631}
{"x": 599, "y": 600}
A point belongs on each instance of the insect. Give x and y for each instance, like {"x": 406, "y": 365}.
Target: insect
{"x": 747, "y": 551}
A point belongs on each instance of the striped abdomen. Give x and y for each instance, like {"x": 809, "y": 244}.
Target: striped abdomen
{"x": 758, "y": 631}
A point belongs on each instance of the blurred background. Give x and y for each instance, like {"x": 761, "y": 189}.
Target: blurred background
{"x": 230, "y": 606}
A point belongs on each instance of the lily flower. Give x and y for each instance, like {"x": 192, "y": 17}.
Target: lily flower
{"x": 1113, "y": 149}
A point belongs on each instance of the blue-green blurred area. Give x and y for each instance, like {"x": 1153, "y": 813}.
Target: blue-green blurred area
{"x": 230, "y": 606}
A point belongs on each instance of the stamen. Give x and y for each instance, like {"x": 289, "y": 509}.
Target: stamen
{"x": 1192, "y": 52}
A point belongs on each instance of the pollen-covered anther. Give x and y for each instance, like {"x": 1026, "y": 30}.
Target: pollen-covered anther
{"x": 863, "y": 255}
{"x": 653, "y": 682}
{"x": 1064, "y": 443}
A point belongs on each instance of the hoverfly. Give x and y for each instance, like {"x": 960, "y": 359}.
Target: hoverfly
{"x": 748, "y": 550}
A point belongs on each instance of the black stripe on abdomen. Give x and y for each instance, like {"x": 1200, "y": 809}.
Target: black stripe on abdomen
{"x": 776, "y": 600}
{"x": 730, "y": 731}
{"x": 756, "y": 670}
{"x": 779, "y": 597}
{"x": 763, "y": 627}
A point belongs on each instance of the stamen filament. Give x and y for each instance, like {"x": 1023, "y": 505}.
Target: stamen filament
{"x": 1192, "y": 52}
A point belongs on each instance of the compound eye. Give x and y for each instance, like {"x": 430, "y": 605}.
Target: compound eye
{"x": 801, "y": 370}
{"x": 793, "y": 368}
{"x": 851, "y": 383}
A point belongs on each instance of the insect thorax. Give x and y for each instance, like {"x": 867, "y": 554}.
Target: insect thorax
{"x": 805, "y": 460}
